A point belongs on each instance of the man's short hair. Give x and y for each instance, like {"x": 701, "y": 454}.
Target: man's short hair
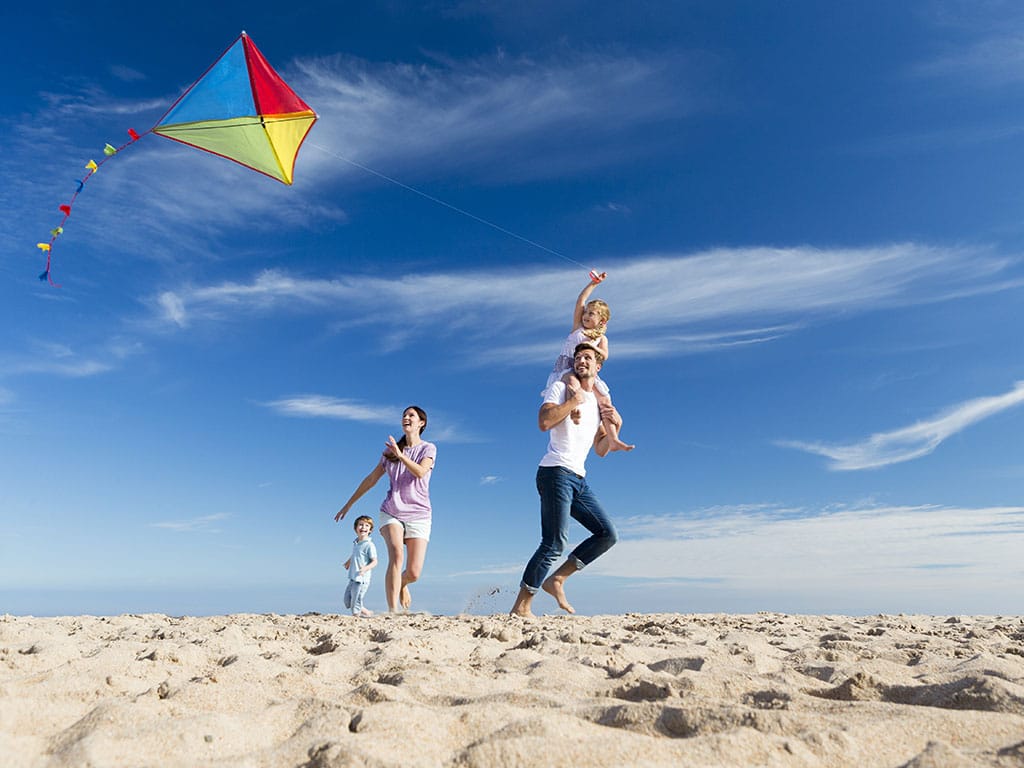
{"x": 592, "y": 348}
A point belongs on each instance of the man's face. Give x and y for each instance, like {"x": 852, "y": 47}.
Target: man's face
{"x": 585, "y": 364}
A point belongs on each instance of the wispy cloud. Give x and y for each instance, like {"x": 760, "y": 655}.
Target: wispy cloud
{"x": 724, "y": 297}
{"x": 54, "y": 359}
{"x": 914, "y": 441}
{"x": 323, "y": 407}
{"x": 840, "y": 549}
{"x": 311, "y": 406}
{"x": 204, "y": 524}
{"x": 989, "y": 60}
{"x": 491, "y": 480}
{"x": 569, "y": 109}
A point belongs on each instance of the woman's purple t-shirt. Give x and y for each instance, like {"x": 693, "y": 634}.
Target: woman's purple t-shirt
{"x": 408, "y": 498}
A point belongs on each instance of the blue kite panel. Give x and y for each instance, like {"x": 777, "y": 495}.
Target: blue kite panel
{"x": 223, "y": 93}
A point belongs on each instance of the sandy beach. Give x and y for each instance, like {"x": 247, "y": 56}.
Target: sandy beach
{"x": 326, "y": 691}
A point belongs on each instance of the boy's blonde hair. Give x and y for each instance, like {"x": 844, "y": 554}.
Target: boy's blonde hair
{"x": 605, "y": 314}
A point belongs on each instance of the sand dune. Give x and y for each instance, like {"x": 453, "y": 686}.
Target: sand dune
{"x": 324, "y": 691}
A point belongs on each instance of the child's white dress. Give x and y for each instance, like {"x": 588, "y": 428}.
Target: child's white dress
{"x": 564, "y": 362}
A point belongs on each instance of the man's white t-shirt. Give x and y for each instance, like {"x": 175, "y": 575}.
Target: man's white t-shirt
{"x": 569, "y": 443}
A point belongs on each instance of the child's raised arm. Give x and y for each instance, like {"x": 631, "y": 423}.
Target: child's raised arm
{"x": 581, "y": 300}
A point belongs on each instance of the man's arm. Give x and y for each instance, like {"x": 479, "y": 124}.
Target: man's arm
{"x": 555, "y": 413}
{"x": 602, "y": 444}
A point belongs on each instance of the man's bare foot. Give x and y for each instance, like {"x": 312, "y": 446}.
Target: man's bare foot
{"x": 553, "y": 585}
{"x": 521, "y": 607}
{"x": 365, "y": 612}
{"x": 405, "y": 598}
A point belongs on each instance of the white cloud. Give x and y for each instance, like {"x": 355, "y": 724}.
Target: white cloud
{"x": 865, "y": 549}
{"x": 661, "y": 304}
{"x": 920, "y": 439}
{"x": 204, "y": 524}
{"x": 992, "y": 61}
{"x": 312, "y": 406}
{"x": 56, "y": 359}
{"x": 473, "y": 114}
{"x": 321, "y": 406}
{"x": 172, "y": 307}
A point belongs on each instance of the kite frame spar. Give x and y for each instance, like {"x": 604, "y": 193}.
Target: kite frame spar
{"x": 239, "y": 109}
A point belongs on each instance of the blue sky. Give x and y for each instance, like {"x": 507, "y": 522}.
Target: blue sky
{"x": 810, "y": 214}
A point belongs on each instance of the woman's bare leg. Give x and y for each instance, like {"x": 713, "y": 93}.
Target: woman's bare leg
{"x": 417, "y": 553}
{"x": 393, "y": 534}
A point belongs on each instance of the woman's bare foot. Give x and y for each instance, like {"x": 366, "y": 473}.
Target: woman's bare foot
{"x": 553, "y": 585}
{"x": 405, "y": 598}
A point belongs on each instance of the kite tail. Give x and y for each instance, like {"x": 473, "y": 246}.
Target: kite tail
{"x": 92, "y": 167}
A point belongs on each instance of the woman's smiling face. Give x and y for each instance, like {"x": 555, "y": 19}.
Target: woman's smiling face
{"x": 412, "y": 422}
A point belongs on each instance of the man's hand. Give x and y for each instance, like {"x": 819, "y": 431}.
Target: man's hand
{"x": 575, "y": 396}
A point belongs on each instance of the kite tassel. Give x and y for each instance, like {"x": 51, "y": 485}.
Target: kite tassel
{"x": 133, "y": 134}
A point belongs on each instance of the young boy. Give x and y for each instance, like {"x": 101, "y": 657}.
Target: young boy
{"x": 359, "y": 565}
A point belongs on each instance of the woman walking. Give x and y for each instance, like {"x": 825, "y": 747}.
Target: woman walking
{"x": 405, "y": 513}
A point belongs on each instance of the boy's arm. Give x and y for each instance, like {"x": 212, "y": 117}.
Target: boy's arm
{"x": 348, "y": 564}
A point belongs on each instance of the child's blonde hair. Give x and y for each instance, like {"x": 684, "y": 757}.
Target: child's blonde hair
{"x": 605, "y": 313}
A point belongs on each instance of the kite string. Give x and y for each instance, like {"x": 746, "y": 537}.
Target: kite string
{"x": 448, "y": 205}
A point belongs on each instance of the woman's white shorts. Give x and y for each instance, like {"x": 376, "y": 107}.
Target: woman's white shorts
{"x": 414, "y": 529}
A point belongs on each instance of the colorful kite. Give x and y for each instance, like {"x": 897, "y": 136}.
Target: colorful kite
{"x": 240, "y": 108}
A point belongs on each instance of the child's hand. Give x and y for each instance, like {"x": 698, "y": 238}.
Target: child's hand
{"x": 596, "y": 277}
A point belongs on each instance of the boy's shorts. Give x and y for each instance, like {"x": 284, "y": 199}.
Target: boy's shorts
{"x": 414, "y": 529}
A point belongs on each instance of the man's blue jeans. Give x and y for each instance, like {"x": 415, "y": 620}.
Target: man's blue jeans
{"x": 564, "y": 494}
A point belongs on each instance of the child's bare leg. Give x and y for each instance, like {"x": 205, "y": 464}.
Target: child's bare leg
{"x": 612, "y": 429}
{"x": 572, "y": 384}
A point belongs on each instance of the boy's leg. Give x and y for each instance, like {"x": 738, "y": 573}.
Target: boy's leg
{"x": 357, "y": 603}
{"x": 348, "y": 594}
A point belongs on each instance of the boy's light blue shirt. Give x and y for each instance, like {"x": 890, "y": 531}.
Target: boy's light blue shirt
{"x": 363, "y": 553}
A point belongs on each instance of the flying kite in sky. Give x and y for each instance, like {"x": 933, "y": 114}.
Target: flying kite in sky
{"x": 240, "y": 108}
